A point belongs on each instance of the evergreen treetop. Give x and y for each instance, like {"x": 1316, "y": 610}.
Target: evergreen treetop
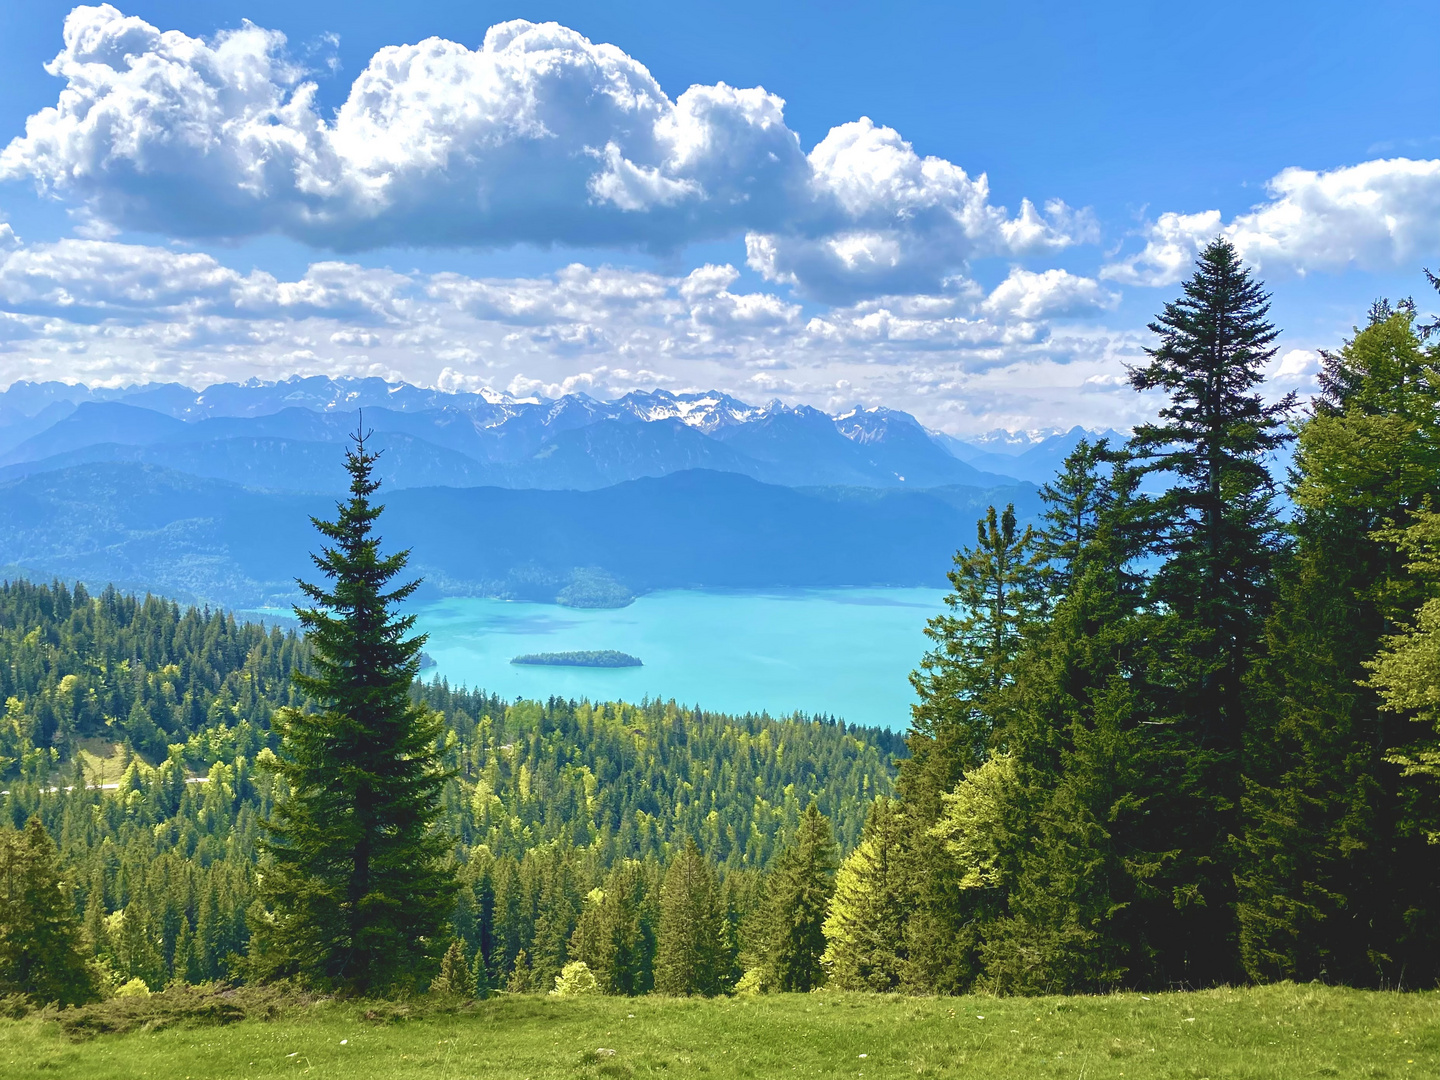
{"x": 1216, "y": 525}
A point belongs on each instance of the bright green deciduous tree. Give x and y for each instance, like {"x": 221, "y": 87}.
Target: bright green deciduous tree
{"x": 359, "y": 881}
{"x": 1406, "y": 670}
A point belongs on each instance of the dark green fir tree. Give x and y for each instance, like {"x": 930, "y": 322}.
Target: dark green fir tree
{"x": 1217, "y": 533}
{"x": 961, "y": 685}
{"x": 359, "y": 882}
{"x": 43, "y": 954}
{"x": 688, "y": 959}
{"x": 799, "y": 891}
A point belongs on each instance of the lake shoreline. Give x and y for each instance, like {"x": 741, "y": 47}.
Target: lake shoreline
{"x": 840, "y": 652}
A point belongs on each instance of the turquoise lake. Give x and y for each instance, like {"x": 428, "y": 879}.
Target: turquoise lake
{"x": 844, "y": 652}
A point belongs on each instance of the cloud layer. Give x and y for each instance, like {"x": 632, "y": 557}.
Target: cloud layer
{"x": 109, "y": 312}
{"x": 539, "y": 136}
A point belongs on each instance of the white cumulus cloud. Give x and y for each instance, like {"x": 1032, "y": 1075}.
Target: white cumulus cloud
{"x": 538, "y": 136}
{"x": 1048, "y": 294}
{"x": 1375, "y": 215}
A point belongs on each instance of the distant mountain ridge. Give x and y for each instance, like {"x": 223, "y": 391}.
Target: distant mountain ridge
{"x": 205, "y": 540}
{"x": 281, "y": 436}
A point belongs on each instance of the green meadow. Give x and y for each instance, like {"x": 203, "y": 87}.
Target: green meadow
{"x": 1284, "y": 1031}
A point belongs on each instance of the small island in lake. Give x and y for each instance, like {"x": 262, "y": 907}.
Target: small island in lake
{"x": 584, "y": 658}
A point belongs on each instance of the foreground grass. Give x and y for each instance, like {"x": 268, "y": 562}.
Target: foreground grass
{"x": 1281, "y": 1031}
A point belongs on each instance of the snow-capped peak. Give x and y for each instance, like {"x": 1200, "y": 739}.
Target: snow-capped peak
{"x": 705, "y": 411}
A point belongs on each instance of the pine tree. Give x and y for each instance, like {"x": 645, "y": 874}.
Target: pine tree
{"x": 961, "y": 684}
{"x": 995, "y": 594}
{"x": 480, "y": 977}
{"x": 865, "y": 924}
{"x": 42, "y": 947}
{"x": 1218, "y": 535}
{"x": 207, "y": 934}
{"x": 455, "y": 977}
{"x": 97, "y": 933}
{"x": 1074, "y": 502}
{"x": 359, "y": 880}
{"x": 1219, "y": 527}
{"x": 555, "y": 917}
{"x": 519, "y": 980}
{"x": 186, "y": 969}
{"x": 1067, "y": 853}
{"x": 687, "y": 960}
{"x": 136, "y": 945}
{"x": 799, "y": 888}
{"x": 507, "y": 918}
{"x": 614, "y": 936}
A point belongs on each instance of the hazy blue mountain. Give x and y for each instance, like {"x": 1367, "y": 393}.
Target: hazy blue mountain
{"x": 895, "y": 440}
{"x": 1043, "y": 460}
{"x": 19, "y": 426}
{"x": 96, "y": 422}
{"x": 612, "y": 451}
{"x": 145, "y": 528}
{"x": 282, "y": 464}
{"x": 1033, "y": 459}
{"x": 802, "y": 446}
{"x": 193, "y": 538}
{"x": 317, "y": 393}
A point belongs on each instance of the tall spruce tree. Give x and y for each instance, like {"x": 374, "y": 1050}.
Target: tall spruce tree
{"x": 799, "y": 888}
{"x": 1218, "y": 535}
{"x": 995, "y": 595}
{"x": 1074, "y": 501}
{"x": 1335, "y": 879}
{"x": 43, "y": 954}
{"x": 359, "y": 881}
{"x": 688, "y": 959}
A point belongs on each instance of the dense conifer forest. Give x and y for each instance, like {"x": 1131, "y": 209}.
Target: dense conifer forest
{"x": 170, "y": 708}
{"x": 1181, "y": 733}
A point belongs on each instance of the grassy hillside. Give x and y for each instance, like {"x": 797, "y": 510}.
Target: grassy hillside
{"x": 1282, "y": 1031}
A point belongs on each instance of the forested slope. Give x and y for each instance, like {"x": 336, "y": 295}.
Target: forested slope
{"x": 546, "y": 796}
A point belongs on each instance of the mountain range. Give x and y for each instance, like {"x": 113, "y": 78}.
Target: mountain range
{"x": 282, "y": 437}
{"x": 206, "y": 495}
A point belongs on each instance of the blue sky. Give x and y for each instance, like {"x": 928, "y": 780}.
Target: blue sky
{"x": 547, "y": 213}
